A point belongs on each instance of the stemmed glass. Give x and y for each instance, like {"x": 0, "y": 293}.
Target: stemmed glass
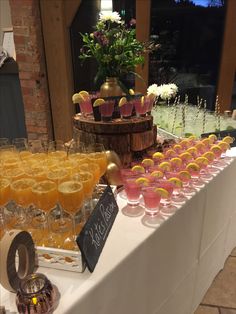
{"x": 22, "y": 147}
{"x": 45, "y": 198}
{"x": 87, "y": 179}
{"x": 21, "y": 194}
{"x": 71, "y": 197}
{"x": 97, "y": 154}
{"x": 4, "y": 199}
{"x": 57, "y": 150}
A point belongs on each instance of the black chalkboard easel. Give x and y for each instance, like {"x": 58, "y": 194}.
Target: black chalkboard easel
{"x": 92, "y": 237}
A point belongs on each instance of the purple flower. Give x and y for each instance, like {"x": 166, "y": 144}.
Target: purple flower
{"x": 132, "y": 22}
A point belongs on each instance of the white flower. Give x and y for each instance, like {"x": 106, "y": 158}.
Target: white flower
{"x": 174, "y": 88}
{"x": 110, "y": 16}
{"x": 153, "y": 89}
{"x": 167, "y": 91}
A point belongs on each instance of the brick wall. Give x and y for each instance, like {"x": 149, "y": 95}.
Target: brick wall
{"x": 32, "y": 67}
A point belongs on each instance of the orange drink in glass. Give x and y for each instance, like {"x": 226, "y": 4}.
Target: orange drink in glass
{"x": 101, "y": 159}
{"x": 93, "y": 168}
{"x": 71, "y": 196}
{"x": 13, "y": 174}
{"x": 58, "y": 175}
{"x": 21, "y": 191}
{"x": 4, "y": 191}
{"x": 45, "y": 195}
{"x": 87, "y": 180}
{"x": 70, "y": 165}
{"x": 36, "y": 172}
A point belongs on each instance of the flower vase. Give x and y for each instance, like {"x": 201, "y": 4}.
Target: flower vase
{"x": 110, "y": 88}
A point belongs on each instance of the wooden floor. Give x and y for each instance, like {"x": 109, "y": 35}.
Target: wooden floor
{"x": 221, "y": 296}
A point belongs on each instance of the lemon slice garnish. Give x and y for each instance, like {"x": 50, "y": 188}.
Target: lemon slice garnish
{"x": 206, "y": 141}
{"x": 228, "y": 139}
{"x": 170, "y": 153}
{"x": 209, "y": 155}
{"x": 142, "y": 181}
{"x": 193, "y": 167}
{"x": 176, "y": 181}
{"x": 185, "y": 156}
{"x": 122, "y": 101}
{"x": 223, "y": 145}
{"x": 212, "y": 138}
{"x": 98, "y": 102}
{"x": 138, "y": 169}
{"x": 199, "y": 146}
{"x": 184, "y": 143}
{"x": 215, "y": 149}
{"x": 184, "y": 174}
{"x": 77, "y": 98}
{"x": 142, "y": 101}
{"x": 162, "y": 192}
{"x": 202, "y": 161}
{"x": 148, "y": 162}
{"x": 157, "y": 174}
{"x": 176, "y": 161}
{"x": 165, "y": 165}
{"x": 158, "y": 155}
{"x": 84, "y": 94}
{"x": 192, "y": 150}
{"x": 131, "y": 91}
{"x": 192, "y": 137}
{"x": 177, "y": 147}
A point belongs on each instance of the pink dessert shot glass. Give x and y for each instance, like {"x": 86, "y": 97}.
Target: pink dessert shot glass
{"x": 106, "y": 110}
{"x": 133, "y": 192}
{"x": 151, "y": 200}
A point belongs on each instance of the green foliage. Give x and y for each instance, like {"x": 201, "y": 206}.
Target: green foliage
{"x": 115, "y": 49}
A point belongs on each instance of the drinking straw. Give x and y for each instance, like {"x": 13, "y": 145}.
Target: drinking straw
{"x": 204, "y": 117}
{"x": 199, "y": 105}
{"x": 183, "y": 116}
{"x": 175, "y": 115}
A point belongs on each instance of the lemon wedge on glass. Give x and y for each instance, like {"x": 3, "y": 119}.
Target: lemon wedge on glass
{"x": 122, "y": 101}
{"x": 84, "y": 94}
{"x": 158, "y": 156}
{"x": 228, "y": 139}
{"x": 142, "y": 181}
{"x": 157, "y": 174}
{"x": 77, "y": 98}
{"x": 138, "y": 169}
{"x": 162, "y": 192}
{"x": 212, "y": 138}
{"x": 98, "y": 102}
{"x": 165, "y": 166}
{"x": 176, "y": 181}
{"x": 148, "y": 162}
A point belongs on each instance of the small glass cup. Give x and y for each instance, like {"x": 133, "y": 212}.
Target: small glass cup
{"x": 106, "y": 110}
{"x": 140, "y": 106}
{"x": 126, "y": 110}
{"x": 86, "y": 108}
{"x": 133, "y": 192}
{"x": 151, "y": 200}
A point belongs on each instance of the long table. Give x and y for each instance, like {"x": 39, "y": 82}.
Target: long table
{"x": 162, "y": 269}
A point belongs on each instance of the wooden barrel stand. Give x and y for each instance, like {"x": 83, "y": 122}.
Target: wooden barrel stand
{"x": 128, "y": 138}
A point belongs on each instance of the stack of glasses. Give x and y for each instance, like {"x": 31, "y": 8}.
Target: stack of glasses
{"x": 47, "y": 188}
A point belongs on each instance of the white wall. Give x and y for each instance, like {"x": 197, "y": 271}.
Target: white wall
{"x": 5, "y": 17}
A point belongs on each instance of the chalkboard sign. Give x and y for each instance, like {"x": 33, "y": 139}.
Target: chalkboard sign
{"x": 92, "y": 237}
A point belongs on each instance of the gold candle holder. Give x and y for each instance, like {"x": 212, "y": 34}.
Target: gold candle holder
{"x": 35, "y": 295}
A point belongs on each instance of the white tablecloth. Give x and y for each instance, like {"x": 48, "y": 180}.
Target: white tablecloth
{"x": 163, "y": 270}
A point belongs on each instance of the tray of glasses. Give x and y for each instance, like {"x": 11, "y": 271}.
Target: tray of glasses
{"x": 62, "y": 259}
